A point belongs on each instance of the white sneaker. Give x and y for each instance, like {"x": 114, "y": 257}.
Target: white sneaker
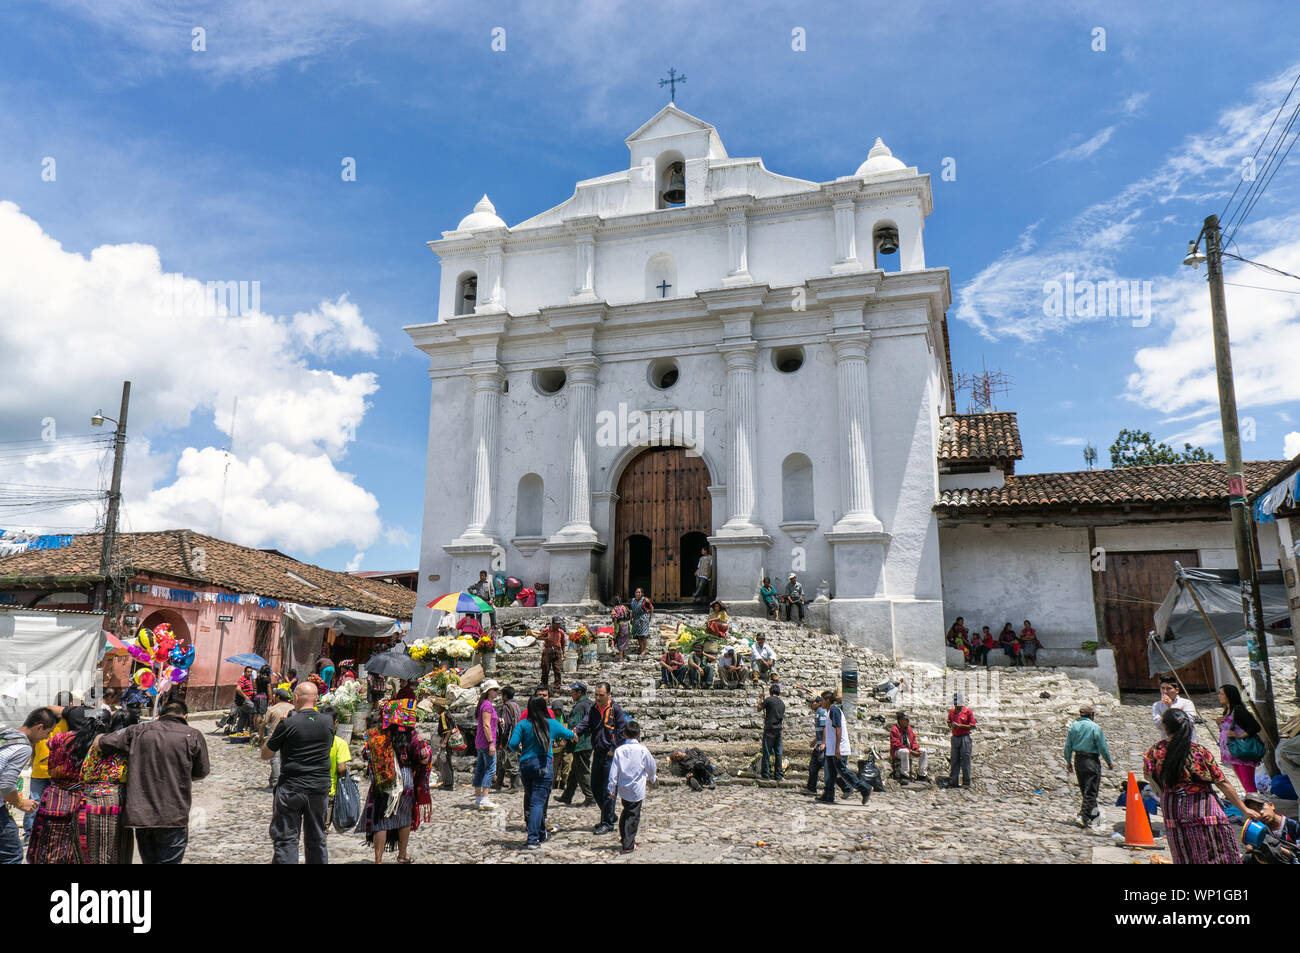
{"x": 486, "y": 805}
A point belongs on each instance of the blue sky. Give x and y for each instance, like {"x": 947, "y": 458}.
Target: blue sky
{"x": 224, "y": 164}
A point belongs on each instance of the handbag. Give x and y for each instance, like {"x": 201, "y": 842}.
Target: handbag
{"x": 456, "y": 740}
{"x": 347, "y": 803}
{"x": 1246, "y": 749}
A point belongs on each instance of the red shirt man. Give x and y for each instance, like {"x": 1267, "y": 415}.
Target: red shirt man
{"x": 962, "y": 720}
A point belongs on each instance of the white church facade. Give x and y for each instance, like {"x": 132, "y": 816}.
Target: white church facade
{"x": 695, "y": 352}
{"x": 784, "y": 340}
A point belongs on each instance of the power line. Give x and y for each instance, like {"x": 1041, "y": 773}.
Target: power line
{"x": 1281, "y": 291}
{"x": 1264, "y": 176}
{"x": 1263, "y": 267}
{"x": 1280, "y": 107}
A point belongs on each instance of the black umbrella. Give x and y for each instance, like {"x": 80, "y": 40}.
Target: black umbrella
{"x": 394, "y": 664}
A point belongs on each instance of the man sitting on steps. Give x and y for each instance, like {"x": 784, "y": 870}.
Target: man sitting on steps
{"x": 730, "y": 671}
{"x": 672, "y": 669}
{"x": 762, "y": 659}
{"x": 699, "y": 667}
{"x": 903, "y": 747}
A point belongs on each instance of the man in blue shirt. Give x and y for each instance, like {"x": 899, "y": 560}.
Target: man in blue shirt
{"x": 1087, "y": 744}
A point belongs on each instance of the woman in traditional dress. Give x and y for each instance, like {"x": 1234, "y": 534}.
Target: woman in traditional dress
{"x": 55, "y": 836}
{"x": 642, "y": 612}
{"x": 1235, "y": 723}
{"x": 719, "y": 621}
{"x": 398, "y": 760}
{"x": 1183, "y": 772}
{"x": 958, "y": 636}
{"x": 103, "y": 779}
{"x": 1029, "y": 644}
{"x": 622, "y": 629}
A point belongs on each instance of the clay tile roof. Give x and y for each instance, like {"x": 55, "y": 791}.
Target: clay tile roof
{"x": 979, "y": 438}
{"x": 1174, "y": 483}
{"x": 222, "y": 564}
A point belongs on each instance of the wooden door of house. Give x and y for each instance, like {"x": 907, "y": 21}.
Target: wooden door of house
{"x": 1133, "y": 586}
{"x": 663, "y": 498}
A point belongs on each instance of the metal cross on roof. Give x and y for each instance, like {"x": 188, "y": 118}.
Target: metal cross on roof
{"x": 672, "y": 82}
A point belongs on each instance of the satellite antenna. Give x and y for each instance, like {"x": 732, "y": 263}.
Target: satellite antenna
{"x": 984, "y": 386}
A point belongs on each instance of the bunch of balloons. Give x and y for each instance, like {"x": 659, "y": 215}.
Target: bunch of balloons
{"x": 167, "y": 658}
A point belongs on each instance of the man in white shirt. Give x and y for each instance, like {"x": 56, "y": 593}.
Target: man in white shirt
{"x": 835, "y": 738}
{"x": 761, "y": 659}
{"x": 631, "y": 768}
{"x": 1170, "y": 698}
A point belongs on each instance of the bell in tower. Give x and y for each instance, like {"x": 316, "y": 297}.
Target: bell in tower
{"x": 886, "y": 240}
{"x": 675, "y": 194}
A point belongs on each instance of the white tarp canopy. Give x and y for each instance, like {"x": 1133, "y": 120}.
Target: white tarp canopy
{"x": 304, "y": 630}
{"x": 44, "y": 652}
{"x": 1180, "y": 628}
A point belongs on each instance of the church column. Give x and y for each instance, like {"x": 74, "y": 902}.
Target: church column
{"x": 742, "y": 429}
{"x": 846, "y": 227}
{"x": 584, "y": 235}
{"x": 487, "y": 409}
{"x": 737, "y": 241}
{"x": 490, "y": 288}
{"x": 854, "y": 432}
{"x": 581, "y": 385}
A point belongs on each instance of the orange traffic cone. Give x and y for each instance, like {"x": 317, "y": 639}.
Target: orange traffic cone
{"x": 1137, "y": 827}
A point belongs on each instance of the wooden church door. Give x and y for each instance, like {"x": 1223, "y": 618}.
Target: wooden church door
{"x": 663, "y": 498}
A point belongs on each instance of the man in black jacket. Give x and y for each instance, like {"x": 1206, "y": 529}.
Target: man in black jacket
{"x": 605, "y": 722}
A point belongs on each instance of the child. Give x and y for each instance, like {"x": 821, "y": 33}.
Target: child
{"x": 632, "y": 767}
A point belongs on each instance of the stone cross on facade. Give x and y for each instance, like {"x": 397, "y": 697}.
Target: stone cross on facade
{"x": 663, "y": 287}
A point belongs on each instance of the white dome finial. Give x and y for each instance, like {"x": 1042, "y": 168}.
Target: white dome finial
{"x": 880, "y": 159}
{"x": 483, "y": 216}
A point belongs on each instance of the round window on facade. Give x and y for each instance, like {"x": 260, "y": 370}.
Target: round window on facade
{"x": 787, "y": 360}
{"x": 549, "y": 380}
{"x": 663, "y": 373}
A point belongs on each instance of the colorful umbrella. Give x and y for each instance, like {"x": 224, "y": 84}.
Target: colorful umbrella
{"x": 460, "y": 602}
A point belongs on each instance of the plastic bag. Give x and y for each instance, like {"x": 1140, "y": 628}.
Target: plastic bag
{"x": 347, "y": 804}
{"x": 1263, "y": 780}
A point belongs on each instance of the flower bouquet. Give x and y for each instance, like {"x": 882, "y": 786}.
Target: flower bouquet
{"x": 581, "y": 636}
{"x": 419, "y": 650}
{"x": 345, "y": 700}
{"x": 451, "y": 648}
{"x": 486, "y": 644}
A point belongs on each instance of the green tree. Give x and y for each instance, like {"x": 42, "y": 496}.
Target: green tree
{"x": 1136, "y": 448}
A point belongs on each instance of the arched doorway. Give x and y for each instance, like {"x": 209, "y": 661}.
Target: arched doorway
{"x": 692, "y": 544}
{"x": 663, "y": 496}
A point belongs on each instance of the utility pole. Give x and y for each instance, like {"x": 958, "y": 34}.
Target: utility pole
{"x": 1251, "y": 605}
{"x": 103, "y": 593}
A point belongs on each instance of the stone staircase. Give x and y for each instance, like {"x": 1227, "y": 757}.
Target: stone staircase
{"x": 725, "y": 723}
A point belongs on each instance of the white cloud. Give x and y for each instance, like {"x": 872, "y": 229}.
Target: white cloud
{"x": 1178, "y": 375}
{"x": 354, "y": 564}
{"x": 1085, "y": 149}
{"x": 397, "y": 536}
{"x": 1291, "y": 445}
{"x": 1133, "y": 105}
{"x": 1067, "y": 441}
{"x": 72, "y": 327}
{"x": 1007, "y": 297}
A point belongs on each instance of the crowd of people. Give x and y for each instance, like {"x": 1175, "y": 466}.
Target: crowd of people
{"x": 1020, "y": 648}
